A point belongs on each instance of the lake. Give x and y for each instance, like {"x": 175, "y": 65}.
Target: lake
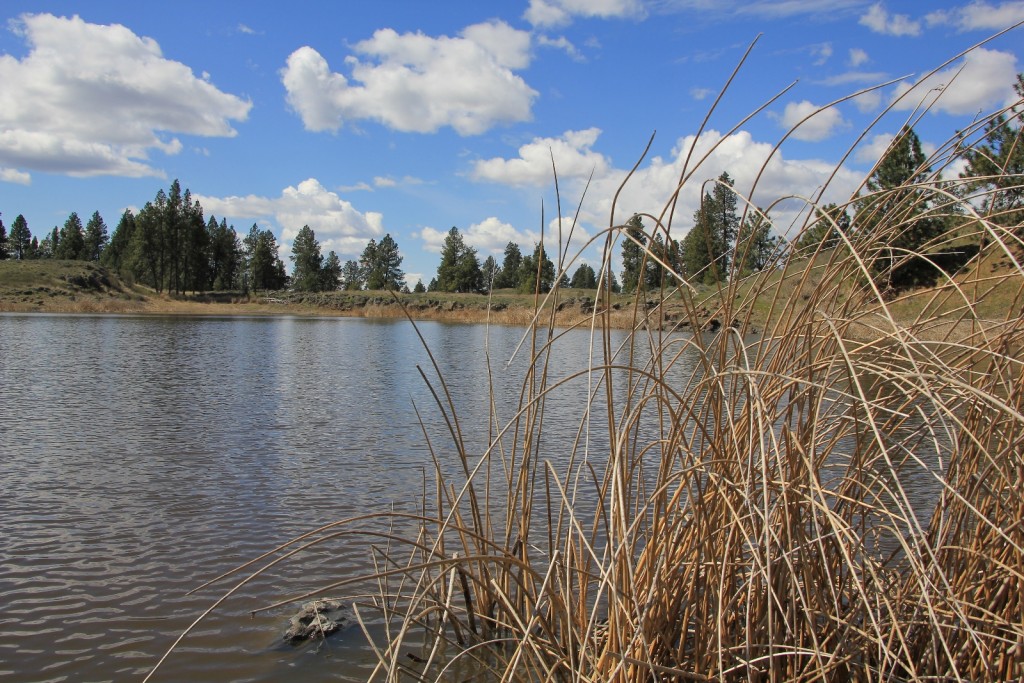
{"x": 143, "y": 456}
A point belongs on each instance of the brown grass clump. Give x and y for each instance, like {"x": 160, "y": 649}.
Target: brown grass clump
{"x": 839, "y": 498}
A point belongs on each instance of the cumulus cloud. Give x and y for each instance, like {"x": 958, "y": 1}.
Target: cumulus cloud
{"x": 97, "y": 99}
{"x": 561, "y": 43}
{"x": 572, "y": 154}
{"x": 416, "y": 83}
{"x": 488, "y": 237}
{"x": 874, "y": 149}
{"x": 742, "y": 158}
{"x": 547, "y": 13}
{"x": 857, "y": 57}
{"x": 983, "y": 80}
{"x": 338, "y": 225}
{"x": 980, "y": 15}
{"x": 879, "y": 20}
{"x": 10, "y": 175}
{"x": 821, "y": 124}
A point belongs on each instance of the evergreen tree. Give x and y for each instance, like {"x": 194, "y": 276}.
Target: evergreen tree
{"x": 705, "y": 249}
{"x": 20, "y": 239}
{"x": 264, "y": 270}
{"x": 95, "y": 238}
{"x": 997, "y": 167}
{"x": 225, "y": 255}
{"x": 118, "y": 256}
{"x": 330, "y": 274}
{"x": 195, "y": 249}
{"x": 508, "y": 276}
{"x": 459, "y": 270}
{"x": 383, "y": 265}
{"x": 829, "y": 222}
{"x": 352, "y": 276}
{"x": 308, "y": 261}
{"x": 896, "y": 198}
{"x": 529, "y": 272}
{"x": 490, "y": 270}
{"x": 71, "y": 245}
{"x": 150, "y": 242}
{"x": 654, "y": 272}
{"x": 633, "y": 253}
{"x": 756, "y": 248}
{"x": 34, "y": 249}
{"x": 4, "y": 252}
{"x": 584, "y": 277}
{"x": 419, "y": 288}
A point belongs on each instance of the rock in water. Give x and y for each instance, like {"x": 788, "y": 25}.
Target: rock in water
{"x": 318, "y": 619}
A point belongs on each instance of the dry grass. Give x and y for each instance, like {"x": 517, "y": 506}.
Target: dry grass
{"x": 759, "y": 517}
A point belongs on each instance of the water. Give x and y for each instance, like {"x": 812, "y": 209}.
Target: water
{"x": 143, "y": 456}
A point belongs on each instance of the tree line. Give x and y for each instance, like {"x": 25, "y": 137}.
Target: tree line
{"x": 170, "y": 247}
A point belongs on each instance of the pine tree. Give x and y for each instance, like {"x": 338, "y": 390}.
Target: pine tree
{"x": 584, "y": 278}
{"x": 756, "y": 247}
{"x": 529, "y": 272}
{"x": 997, "y": 166}
{"x": 264, "y": 270}
{"x": 706, "y": 248}
{"x": 308, "y": 261}
{"x": 352, "y": 276}
{"x": 633, "y": 254}
{"x": 20, "y": 239}
{"x": 4, "y": 249}
{"x": 508, "y": 276}
{"x": 829, "y": 222}
{"x": 419, "y": 288}
{"x": 459, "y": 270}
{"x": 71, "y": 245}
{"x": 490, "y": 270}
{"x": 118, "y": 256}
{"x": 385, "y": 270}
{"x": 897, "y": 197}
{"x": 96, "y": 238}
{"x": 330, "y": 274}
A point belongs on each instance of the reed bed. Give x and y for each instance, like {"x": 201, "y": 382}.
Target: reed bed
{"x": 756, "y": 516}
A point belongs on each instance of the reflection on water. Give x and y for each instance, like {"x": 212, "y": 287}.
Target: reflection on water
{"x": 143, "y": 456}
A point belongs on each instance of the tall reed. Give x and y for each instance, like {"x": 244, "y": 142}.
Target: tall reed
{"x": 753, "y": 518}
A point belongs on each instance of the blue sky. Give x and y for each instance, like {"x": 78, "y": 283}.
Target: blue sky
{"x": 402, "y": 117}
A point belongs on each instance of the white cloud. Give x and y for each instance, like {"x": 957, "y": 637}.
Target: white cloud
{"x": 561, "y": 43}
{"x": 10, "y": 175}
{"x": 742, "y": 157}
{"x": 982, "y": 81}
{"x": 700, "y": 94}
{"x": 858, "y": 57}
{"x": 821, "y": 53}
{"x": 980, "y": 15}
{"x": 546, "y": 13}
{"x": 416, "y": 83}
{"x": 821, "y": 124}
{"x": 874, "y": 149}
{"x": 572, "y": 154}
{"x": 879, "y": 20}
{"x": 337, "y": 224}
{"x": 868, "y": 101}
{"x": 62, "y": 120}
{"x": 488, "y": 237}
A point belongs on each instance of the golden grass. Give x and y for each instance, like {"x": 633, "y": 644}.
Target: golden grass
{"x": 758, "y": 517}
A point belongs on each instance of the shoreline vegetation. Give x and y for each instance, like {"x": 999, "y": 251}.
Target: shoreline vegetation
{"x": 749, "y": 516}
{"x": 79, "y": 287}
